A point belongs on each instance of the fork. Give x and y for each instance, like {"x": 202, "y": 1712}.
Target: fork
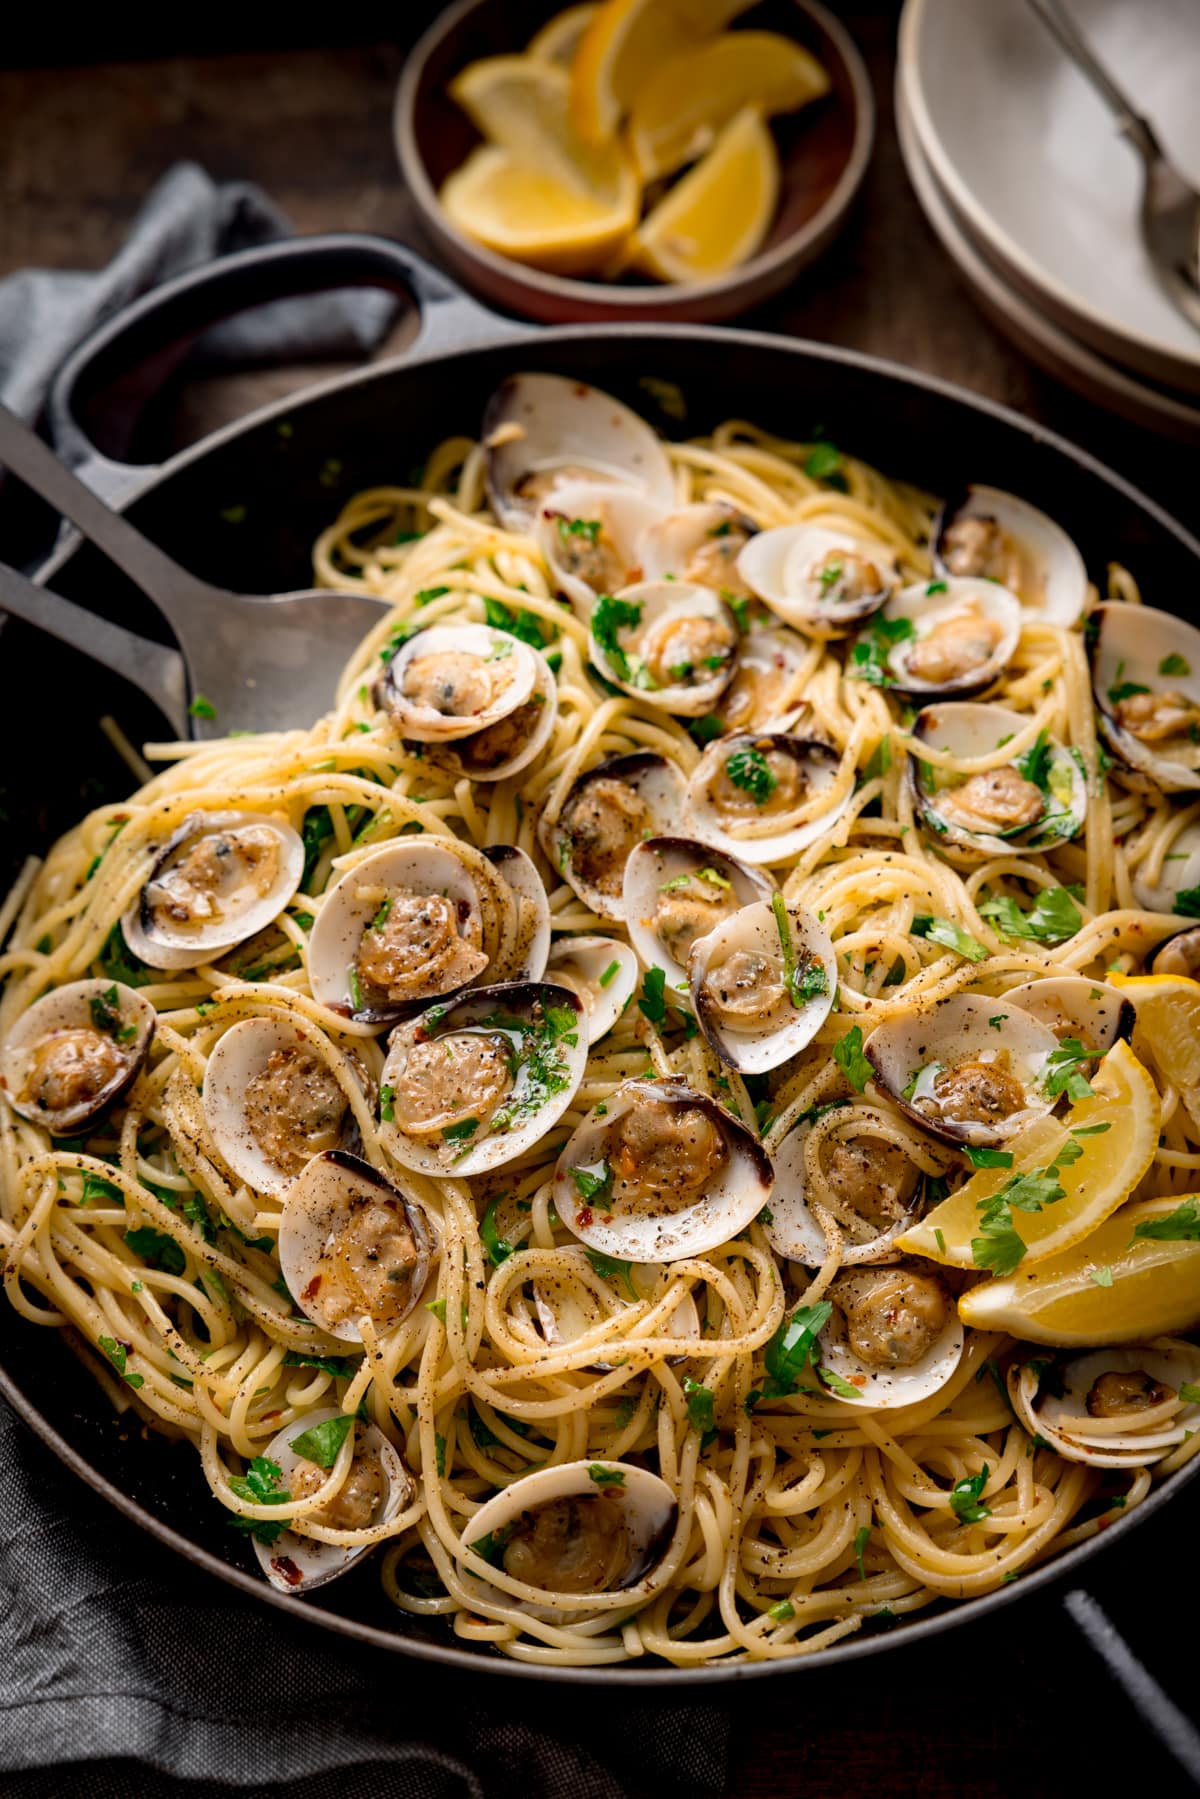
{"x": 258, "y": 662}
{"x": 1170, "y": 213}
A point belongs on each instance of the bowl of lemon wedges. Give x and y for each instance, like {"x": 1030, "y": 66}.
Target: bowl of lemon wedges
{"x": 633, "y": 158}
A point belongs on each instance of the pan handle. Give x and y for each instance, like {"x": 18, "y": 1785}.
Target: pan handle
{"x": 129, "y": 357}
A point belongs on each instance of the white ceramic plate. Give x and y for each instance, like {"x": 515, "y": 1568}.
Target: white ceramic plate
{"x": 1038, "y": 337}
{"x": 1031, "y": 160}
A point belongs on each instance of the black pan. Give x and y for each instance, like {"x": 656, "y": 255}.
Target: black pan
{"x": 243, "y": 507}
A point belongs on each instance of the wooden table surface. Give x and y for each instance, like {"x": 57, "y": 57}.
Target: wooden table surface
{"x": 1006, "y": 1708}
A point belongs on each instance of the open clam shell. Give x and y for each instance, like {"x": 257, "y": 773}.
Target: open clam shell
{"x": 1179, "y": 954}
{"x": 219, "y": 879}
{"x": 676, "y": 890}
{"x": 967, "y": 1069}
{"x": 376, "y": 1488}
{"x": 819, "y": 581}
{"x": 1033, "y": 803}
{"x": 765, "y": 796}
{"x": 566, "y": 1310}
{"x": 672, "y": 644}
{"x": 418, "y": 918}
{"x": 894, "y": 1338}
{"x": 581, "y": 1529}
{"x": 659, "y": 1172}
{"x": 591, "y": 537}
{"x": 998, "y": 536}
{"x": 527, "y": 959}
{"x": 1112, "y": 1408}
{"x": 611, "y": 808}
{"x": 602, "y": 972}
{"x": 698, "y": 544}
{"x": 476, "y": 1082}
{"x": 1146, "y": 684}
{"x": 1176, "y": 881}
{"x": 453, "y": 681}
{"x": 74, "y": 1052}
{"x": 512, "y": 743}
{"x": 948, "y": 638}
{"x": 539, "y": 430}
{"x": 351, "y": 1246}
{"x": 761, "y": 695}
{"x": 877, "y": 1192}
{"x": 762, "y": 983}
{"x": 1072, "y": 1006}
{"x": 271, "y": 1102}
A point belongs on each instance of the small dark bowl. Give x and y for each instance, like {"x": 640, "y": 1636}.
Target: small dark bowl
{"x": 823, "y": 150}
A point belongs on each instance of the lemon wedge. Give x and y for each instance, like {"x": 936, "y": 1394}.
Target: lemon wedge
{"x": 681, "y": 108}
{"x": 1109, "y": 1140}
{"x": 1114, "y": 1288}
{"x": 561, "y": 36}
{"x": 526, "y": 213}
{"x": 719, "y": 213}
{"x": 523, "y": 105}
{"x": 1168, "y": 1022}
{"x": 621, "y": 48}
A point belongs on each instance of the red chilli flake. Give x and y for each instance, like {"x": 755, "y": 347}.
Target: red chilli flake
{"x": 313, "y": 1287}
{"x": 287, "y": 1570}
{"x": 585, "y": 1216}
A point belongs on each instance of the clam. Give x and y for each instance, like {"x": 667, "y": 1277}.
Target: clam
{"x": 220, "y": 878}
{"x": 1032, "y": 803}
{"x": 418, "y": 918}
{"x": 1092, "y": 1012}
{"x": 75, "y": 1051}
{"x": 377, "y": 1486}
{"x": 670, "y": 643}
{"x": 698, "y": 544}
{"x": 761, "y": 695}
{"x": 818, "y": 580}
{"x": 351, "y": 1246}
{"x": 950, "y": 637}
{"x": 602, "y": 972}
{"x": 609, "y": 810}
{"x": 476, "y": 1082}
{"x": 1179, "y": 954}
{"x": 894, "y": 1337}
{"x": 581, "y": 1530}
{"x": 1112, "y": 1408}
{"x": 454, "y": 681}
{"x": 1146, "y": 683}
{"x": 527, "y": 961}
{"x": 762, "y": 983}
{"x": 677, "y": 890}
{"x": 567, "y": 1309}
{"x": 865, "y": 1184}
{"x": 658, "y": 1172}
{"x": 968, "y": 1069}
{"x": 272, "y": 1102}
{"x": 999, "y": 537}
{"x": 1174, "y": 889}
{"x": 765, "y": 797}
{"x": 539, "y": 430}
{"x": 506, "y": 747}
{"x": 591, "y": 538}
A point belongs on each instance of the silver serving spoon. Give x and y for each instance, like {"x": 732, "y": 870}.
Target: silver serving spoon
{"x": 255, "y": 662}
{"x": 1170, "y": 216}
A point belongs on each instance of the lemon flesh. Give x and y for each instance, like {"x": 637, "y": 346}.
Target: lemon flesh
{"x": 719, "y": 213}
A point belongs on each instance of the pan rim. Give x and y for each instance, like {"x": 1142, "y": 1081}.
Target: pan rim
{"x": 921, "y": 1628}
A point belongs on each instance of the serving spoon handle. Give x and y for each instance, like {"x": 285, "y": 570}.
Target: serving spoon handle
{"x": 1135, "y": 127}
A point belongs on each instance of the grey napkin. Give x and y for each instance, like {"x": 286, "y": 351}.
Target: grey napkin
{"x": 186, "y": 220}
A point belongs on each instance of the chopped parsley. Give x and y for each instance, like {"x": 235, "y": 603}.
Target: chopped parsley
{"x": 824, "y": 462}
{"x": 594, "y": 1185}
{"x": 790, "y": 1350}
{"x": 525, "y": 625}
{"x": 1053, "y": 919}
{"x": 989, "y": 1158}
{"x": 1034, "y": 765}
{"x": 848, "y": 1054}
{"x": 1180, "y": 1226}
{"x": 156, "y": 1249}
{"x": 952, "y": 936}
{"x": 460, "y": 1132}
{"x": 498, "y": 1248}
{"x": 1063, "y": 1073}
{"x": 750, "y": 770}
{"x": 805, "y": 979}
{"x": 704, "y": 730}
{"x": 1000, "y": 1246}
{"x": 1174, "y": 665}
{"x": 614, "y": 968}
{"x": 965, "y": 1498}
{"x": 606, "y": 1477}
{"x": 843, "y": 1388}
{"x": 117, "y": 1353}
{"x": 862, "y": 1537}
{"x": 589, "y": 528}
{"x": 387, "y": 1107}
{"x": 869, "y": 657}
{"x": 1187, "y": 903}
{"x": 1103, "y": 1277}
{"x": 202, "y": 708}
{"x": 610, "y": 617}
{"x": 700, "y": 1409}
{"x": 341, "y": 1367}
{"x": 105, "y": 1009}
{"x": 320, "y": 1443}
{"x": 260, "y": 1486}
{"x": 610, "y": 1267}
{"x": 782, "y": 1612}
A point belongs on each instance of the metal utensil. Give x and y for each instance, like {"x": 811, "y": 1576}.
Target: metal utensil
{"x": 245, "y": 661}
{"x": 1170, "y": 215}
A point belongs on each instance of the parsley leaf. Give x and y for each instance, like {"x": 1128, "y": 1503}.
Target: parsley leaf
{"x": 869, "y": 657}
{"x": 965, "y": 1497}
{"x": 606, "y": 1477}
{"x": 848, "y": 1054}
{"x": 699, "y": 1408}
{"x": 498, "y": 1248}
{"x": 340, "y": 1366}
{"x": 790, "y": 1350}
{"x": 1174, "y": 665}
{"x": 1180, "y": 1226}
{"x": 1063, "y": 1074}
{"x": 608, "y": 618}
{"x": 594, "y": 1185}
{"x": 320, "y": 1443}
{"x": 156, "y": 1249}
{"x": 260, "y": 1486}
{"x": 952, "y": 936}
{"x": 750, "y": 770}
{"x": 1053, "y": 918}
{"x": 1187, "y": 903}
{"x": 1034, "y": 765}
{"x": 608, "y": 1266}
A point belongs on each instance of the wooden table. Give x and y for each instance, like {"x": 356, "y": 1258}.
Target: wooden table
{"x": 1014, "y": 1706}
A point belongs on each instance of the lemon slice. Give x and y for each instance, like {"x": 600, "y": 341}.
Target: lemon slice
{"x": 1146, "y": 1288}
{"x": 1110, "y": 1163}
{"x": 621, "y": 48}
{"x": 526, "y": 213}
{"x": 682, "y": 107}
{"x": 718, "y": 214}
{"x": 561, "y": 36}
{"x": 1168, "y": 1022}
{"x": 523, "y": 105}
